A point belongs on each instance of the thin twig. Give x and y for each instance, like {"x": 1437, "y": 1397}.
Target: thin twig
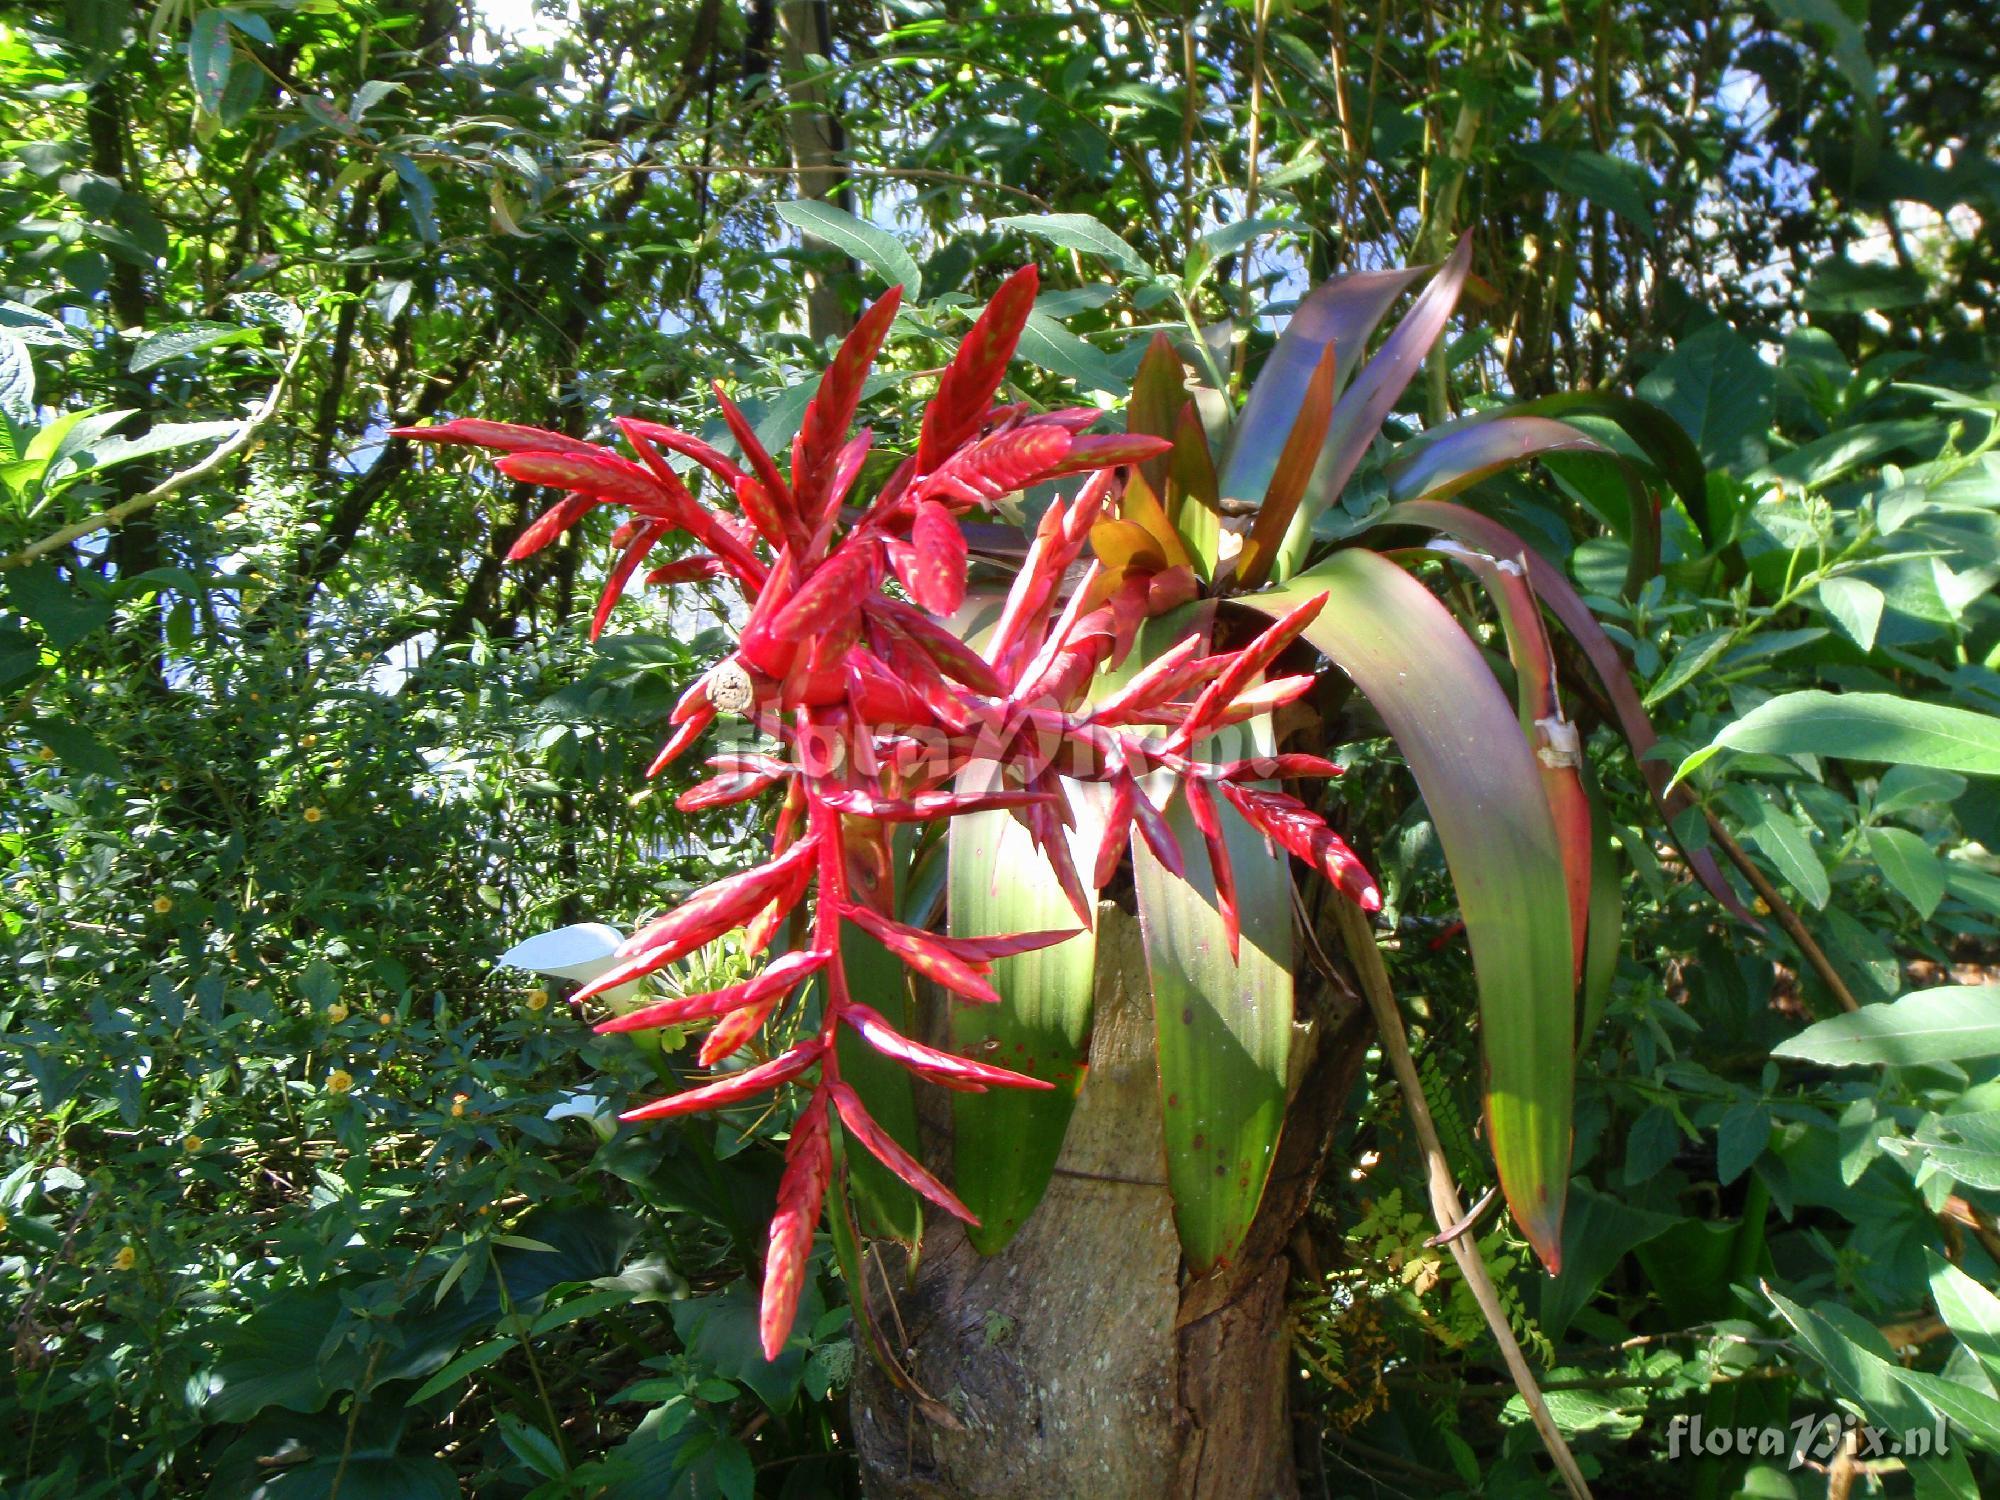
{"x": 913, "y": 174}
{"x": 125, "y": 510}
{"x": 1445, "y": 1206}
{"x": 1478, "y": 1211}
{"x": 1782, "y": 909}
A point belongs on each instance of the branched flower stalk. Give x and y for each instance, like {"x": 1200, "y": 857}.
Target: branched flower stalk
{"x": 881, "y": 709}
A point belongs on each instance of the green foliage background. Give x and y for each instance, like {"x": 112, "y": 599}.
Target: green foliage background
{"x": 292, "y": 758}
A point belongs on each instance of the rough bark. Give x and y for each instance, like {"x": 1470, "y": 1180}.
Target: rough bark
{"x": 1082, "y": 1359}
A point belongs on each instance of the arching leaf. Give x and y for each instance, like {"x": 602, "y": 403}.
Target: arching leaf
{"x": 1478, "y": 777}
{"x": 1563, "y": 601}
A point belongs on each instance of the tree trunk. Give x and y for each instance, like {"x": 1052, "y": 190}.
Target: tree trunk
{"x": 1082, "y": 1359}
{"x": 812, "y": 131}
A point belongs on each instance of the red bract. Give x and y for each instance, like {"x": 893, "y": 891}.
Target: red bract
{"x": 808, "y": 1170}
{"x": 777, "y": 980}
{"x": 879, "y": 707}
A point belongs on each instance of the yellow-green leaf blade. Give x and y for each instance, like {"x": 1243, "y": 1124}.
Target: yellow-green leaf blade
{"x": 1005, "y": 1142}
{"x": 1225, "y": 1027}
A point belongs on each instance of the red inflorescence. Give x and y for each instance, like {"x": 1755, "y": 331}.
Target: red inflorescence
{"x": 880, "y": 708}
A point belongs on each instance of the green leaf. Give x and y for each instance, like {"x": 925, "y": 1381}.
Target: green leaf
{"x": 1965, "y": 1147}
{"x": 1969, "y": 1309}
{"x": 1971, "y": 1412}
{"x": 1605, "y": 933}
{"x": 328, "y": 1456}
{"x": 1740, "y": 1139}
{"x": 419, "y": 197}
{"x": 1687, "y": 1269}
{"x": 275, "y": 1357}
{"x": 163, "y": 438}
{"x": 250, "y": 24}
{"x": 1873, "y": 1384}
{"x": 1661, "y": 438}
{"x": 1838, "y": 285}
{"x": 1082, "y": 233}
{"x": 1624, "y": 187}
{"x": 1909, "y": 866}
{"x": 1855, "y": 606}
{"x": 1005, "y": 1141}
{"x": 1480, "y": 782}
{"x": 1785, "y": 844}
{"x": 1230, "y": 238}
{"x": 720, "y": 1331}
{"x": 64, "y": 610}
{"x": 532, "y": 1446}
{"x": 33, "y": 326}
{"x": 1720, "y": 392}
{"x": 1046, "y": 343}
{"x": 476, "y": 1358}
{"x": 874, "y": 247}
{"x": 269, "y": 307}
{"x": 210, "y": 53}
{"x": 1957, "y": 1023}
{"x": 176, "y": 343}
{"x": 72, "y": 435}
{"x": 369, "y": 95}
{"x": 1598, "y": 1232}
{"x": 17, "y": 380}
{"x": 1833, "y": 27}
{"x": 1863, "y": 726}
{"x": 1815, "y": 464}
{"x": 1904, "y": 787}
{"x": 1695, "y": 656}
{"x": 1225, "y": 1028}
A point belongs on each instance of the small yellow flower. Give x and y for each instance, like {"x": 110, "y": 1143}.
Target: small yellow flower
{"x": 256, "y": 697}
{"x": 313, "y": 815}
{"x": 193, "y": 1144}
{"x": 3, "y": 1223}
{"x": 165, "y": 785}
{"x": 339, "y": 1081}
{"x": 45, "y": 753}
{"x": 125, "y": 1259}
{"x": 307, "y": 741}
{"x": 163, "y": 904}
{"x": 384, "y": 1018}
{"x": 484, "y": 1210}
{"x": 458, "y": 1105}
{"x": 537, "y": 999}
{"x": 336, "y": 1013}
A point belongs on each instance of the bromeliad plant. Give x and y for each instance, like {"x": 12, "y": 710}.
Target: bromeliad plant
{"x": 1111, "y": 686}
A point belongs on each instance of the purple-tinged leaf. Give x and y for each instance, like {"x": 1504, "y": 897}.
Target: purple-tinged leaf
{"x": 1448, "y": 459}
{"x": 1357, "y": 419}
{"x": 1296, "y": 463}
{"x": 1340, "y": 314}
